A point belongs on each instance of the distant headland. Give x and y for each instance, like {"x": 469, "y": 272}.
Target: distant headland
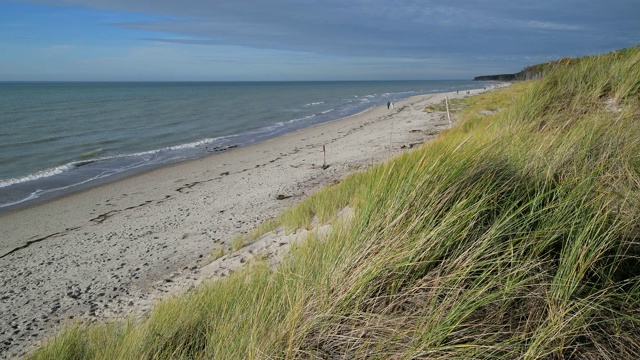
{"x": 529, "y": 73}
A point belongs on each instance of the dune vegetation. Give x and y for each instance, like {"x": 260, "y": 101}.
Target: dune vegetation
{"x": 513, "y": 235}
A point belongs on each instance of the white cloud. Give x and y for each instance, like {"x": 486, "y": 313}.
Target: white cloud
{"x": 543, "y": 25}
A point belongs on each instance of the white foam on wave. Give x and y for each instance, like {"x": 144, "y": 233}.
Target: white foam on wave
{"x": 310, "y": 116}
{"x": 38, "y": 175}
{"x": 58, "y": 170}
{"x": 36, "y": 194}
{"x": 191, "y": 145}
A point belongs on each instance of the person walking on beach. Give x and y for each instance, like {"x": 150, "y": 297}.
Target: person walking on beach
{"x": 388, "y": 104}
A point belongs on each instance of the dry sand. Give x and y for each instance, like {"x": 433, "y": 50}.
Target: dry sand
{"x": 116, "y": 249}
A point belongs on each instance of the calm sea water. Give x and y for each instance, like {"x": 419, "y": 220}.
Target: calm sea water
{"x": 56, "y": 138}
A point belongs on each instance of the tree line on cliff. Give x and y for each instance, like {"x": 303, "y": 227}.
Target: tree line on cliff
{"x": 537, "y": 71}
{"x": 532, "y": 72}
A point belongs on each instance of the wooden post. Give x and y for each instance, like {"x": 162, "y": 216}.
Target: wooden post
{"x": 324, "y": 151}
{"x": 446, "y": 101}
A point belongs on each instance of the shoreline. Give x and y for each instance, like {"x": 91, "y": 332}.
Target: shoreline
{"x": 111, "y": 251}
{"x": 76, "y": 189}
{"x": 95, "y": 163}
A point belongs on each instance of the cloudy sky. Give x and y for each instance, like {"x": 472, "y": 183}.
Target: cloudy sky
{"x": 220, "y": 40}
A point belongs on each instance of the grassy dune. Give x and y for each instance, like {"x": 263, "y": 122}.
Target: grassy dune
{"x": 513, "y": 235}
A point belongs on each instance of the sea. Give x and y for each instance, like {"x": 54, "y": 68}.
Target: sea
{"x": 60, "y": 137}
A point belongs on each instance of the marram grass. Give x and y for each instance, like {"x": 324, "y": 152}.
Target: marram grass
{"x": 513, "y": 235}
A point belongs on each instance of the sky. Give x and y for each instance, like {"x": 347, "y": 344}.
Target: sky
{"x": 290, "y": 40}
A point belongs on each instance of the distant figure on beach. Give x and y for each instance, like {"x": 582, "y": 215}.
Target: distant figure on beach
{"x": 388, "y": 104}
{"x": 392, "y": 105}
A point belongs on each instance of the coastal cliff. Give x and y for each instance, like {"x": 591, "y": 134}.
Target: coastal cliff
{"x": 532, "y": 72}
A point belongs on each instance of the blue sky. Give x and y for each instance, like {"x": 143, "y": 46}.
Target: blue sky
{"x": 222, "y": 40}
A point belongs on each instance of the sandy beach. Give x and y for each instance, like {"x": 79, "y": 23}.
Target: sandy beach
{"x": 115, "y": 250}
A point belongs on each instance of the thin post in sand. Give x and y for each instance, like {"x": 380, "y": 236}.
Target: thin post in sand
{"x": 446, "y": 102}
{"x": 324, "y": 151}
